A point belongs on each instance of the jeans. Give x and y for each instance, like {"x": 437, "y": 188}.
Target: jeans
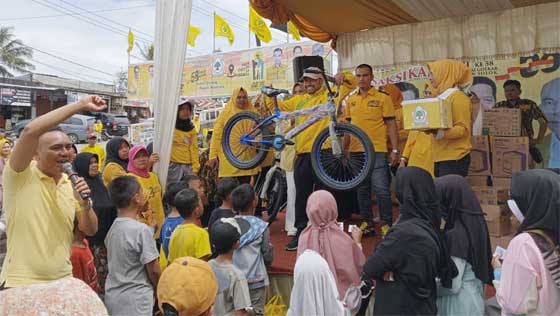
{"x": 458, "y": 167}
{"x": 380, "y": 183}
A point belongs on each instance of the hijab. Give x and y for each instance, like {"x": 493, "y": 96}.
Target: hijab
{"x": 131, "y": 156}
{"x": 537, "y": 193}
{"x": 419, "y": 205}
{"x": 465, "y": 231}
{"x": 449, "y": 73}
{"x": 231, "y": 106}
{"x": 344, "y": 257}
{"x": 112, "y": 149}
{"x": 104, "y": 208}
{"x": 314, "y": 292}
{"x": 184, "y": 125}
{"x": 395, "y": 94}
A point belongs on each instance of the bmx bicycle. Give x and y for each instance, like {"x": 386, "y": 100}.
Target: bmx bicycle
{"x": 342, "y": 156}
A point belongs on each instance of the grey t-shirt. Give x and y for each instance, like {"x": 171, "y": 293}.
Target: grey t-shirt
{"x": 236, "y": 296}
{"x": 130, "y": 246}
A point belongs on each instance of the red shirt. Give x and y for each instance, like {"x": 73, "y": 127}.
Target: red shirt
{"x": 83, "y": 267}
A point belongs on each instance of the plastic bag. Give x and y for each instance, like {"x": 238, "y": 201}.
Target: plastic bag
{"x": 275, "y": 307}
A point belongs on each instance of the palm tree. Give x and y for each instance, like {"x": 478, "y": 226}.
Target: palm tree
{"x": 13, "y": 54}
{"x": 147, "y": 51}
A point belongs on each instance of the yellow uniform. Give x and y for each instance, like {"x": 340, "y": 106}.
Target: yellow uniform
{"x": 98, "y": 127}
{"x": 369, "y": 113}
{"x": 456, "y": 141}
{"x": 153, "y": 192}
{"x": 225, "y": 167}
{"x": 419, "y": 151}
{"x": 189, "y": 240}
{"x": 40, "y": 222}
{"x": 185, "y": 149}
{"x": 304, "y": 141}
{"x": 111, "y": 171}
{"x": 98, "y": 150}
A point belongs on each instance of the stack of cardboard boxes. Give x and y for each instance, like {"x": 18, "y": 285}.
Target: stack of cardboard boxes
{"x": 495, "y": 157}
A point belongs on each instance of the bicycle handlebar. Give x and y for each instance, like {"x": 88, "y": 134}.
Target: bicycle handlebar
{"x": 271, "y": 92}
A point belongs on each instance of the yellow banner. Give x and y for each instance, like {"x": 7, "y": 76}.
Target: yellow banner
{"x": 539, "y": 75}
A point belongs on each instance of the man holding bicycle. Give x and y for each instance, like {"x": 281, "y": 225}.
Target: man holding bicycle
{"x": 305, "y": 180}
{"x": 372, "y": 111}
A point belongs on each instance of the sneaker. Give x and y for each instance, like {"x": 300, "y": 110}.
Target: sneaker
{"x": 367, "y": 228}
{"x": 293, "y": 244}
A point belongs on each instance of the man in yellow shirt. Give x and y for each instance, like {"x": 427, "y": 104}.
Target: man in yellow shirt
{"x": 315, "y": 93}
{"x": 189, "y": 239}
{"x": 40, "y": 202}
{"x": 98, "y": 129}
{"x": 94, "y": 148}
{"x": 372, "y": 111}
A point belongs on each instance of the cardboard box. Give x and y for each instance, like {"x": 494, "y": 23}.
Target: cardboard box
{"x": 431, "y": 113}
{"x": 477, "y": 180}
{"x": 491, "y": 195}
{"x": 501, "y": 182}
{"x": 480, "y": 156}
{"x": 493, "y": 212}
{"x": 502, "y": 122}
{"x": 499, "y": 227}
{"x": 509, "y": 155}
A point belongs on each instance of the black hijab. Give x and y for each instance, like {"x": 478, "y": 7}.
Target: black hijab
{"x": 104, "y": 209}
{"x": 419, "y": 204}
{"x": 466, "y": 232}
{"x": 112, "y": 149}
{"x": 537, "y": 193}
{"x": 184, "y": 125}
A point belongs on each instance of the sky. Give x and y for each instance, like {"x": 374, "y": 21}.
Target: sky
{"x": 96, "y": 41}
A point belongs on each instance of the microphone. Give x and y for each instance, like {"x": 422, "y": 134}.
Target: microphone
{"x": 73, "y": 176}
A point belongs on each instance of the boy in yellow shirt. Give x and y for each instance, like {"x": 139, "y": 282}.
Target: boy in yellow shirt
{"x": 93, "y": 148}
{"x": 189, "y": 239}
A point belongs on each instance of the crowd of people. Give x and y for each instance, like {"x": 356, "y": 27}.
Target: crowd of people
{"x": 199, "y": 246}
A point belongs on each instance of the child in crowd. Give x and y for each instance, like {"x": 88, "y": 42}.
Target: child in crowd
{"x": 255, "y": 252}
{"x": 172, "y": 220}
{"x": 223, "y": 199}
{"x": 132, "y": 253}
{"x": 83, "y": 266}
{"x": 199, "y": 186}
{"x": 189, "y": 239}
{"x": 235, "y": 299}
{"x": 187, "y": 287}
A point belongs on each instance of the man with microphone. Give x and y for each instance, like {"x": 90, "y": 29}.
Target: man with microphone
{"x": 41, "y": 202}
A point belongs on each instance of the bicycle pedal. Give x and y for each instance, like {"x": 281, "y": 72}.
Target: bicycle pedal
{"x": 288, "y": 142}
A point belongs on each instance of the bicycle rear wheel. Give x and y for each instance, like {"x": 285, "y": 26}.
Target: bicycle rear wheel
{"x": 277, "y": 195}
{"x": 346, "y": 171}
{"x": 241, "y": 144}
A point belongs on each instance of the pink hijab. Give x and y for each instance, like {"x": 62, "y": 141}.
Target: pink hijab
{"x": 343, "y": 255}
{"x": 131, "y": 155}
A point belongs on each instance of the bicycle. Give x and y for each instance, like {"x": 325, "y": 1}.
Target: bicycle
{"x": 342, "y": 156}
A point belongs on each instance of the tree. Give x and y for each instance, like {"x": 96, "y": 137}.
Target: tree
{"x": 13, "y": 54}
{"x": 121, "y": 81}
{"x": 147, "y": 51}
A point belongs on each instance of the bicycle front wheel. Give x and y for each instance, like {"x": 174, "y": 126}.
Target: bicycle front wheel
{"x": 349, "y": 169}
{"x": 241, "y": 142}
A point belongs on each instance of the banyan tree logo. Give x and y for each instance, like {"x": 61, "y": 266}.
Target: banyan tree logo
{"x": 420, "y": 116}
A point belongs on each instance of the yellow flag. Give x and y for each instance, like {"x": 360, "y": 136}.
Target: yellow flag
{"x": 193, "y": 34}
{"x": 222, "y": 28}
{"x": 258, "y": 26}
{"x": 293, "y": 30}
{"x": 130, "y": 41}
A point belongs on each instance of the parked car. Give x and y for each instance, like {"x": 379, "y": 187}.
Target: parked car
{"x": 77, "y": 127}
{"x": 114, "y": 125}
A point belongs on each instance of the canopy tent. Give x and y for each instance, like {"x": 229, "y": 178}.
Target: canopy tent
{"x": 385, "y": 33}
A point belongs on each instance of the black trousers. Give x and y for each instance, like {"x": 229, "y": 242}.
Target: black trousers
{"x": 458, "y": 167}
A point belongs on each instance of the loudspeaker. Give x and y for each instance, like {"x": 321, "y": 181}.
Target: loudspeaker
{"x": 302, "y": 62}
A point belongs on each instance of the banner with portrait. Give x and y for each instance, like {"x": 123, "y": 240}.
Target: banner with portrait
{"x": 539, "y": 75}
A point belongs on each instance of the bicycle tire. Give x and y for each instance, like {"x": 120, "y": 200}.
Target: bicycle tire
{"x": 261, "y": 151}
{"x": 277, "y": 195}
{"x": 365, "y": 171}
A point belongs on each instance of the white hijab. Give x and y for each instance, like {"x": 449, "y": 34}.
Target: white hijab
{"x": 314, "y": 292}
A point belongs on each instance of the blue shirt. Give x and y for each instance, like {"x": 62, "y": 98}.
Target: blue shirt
{"x": 167, "y": 230}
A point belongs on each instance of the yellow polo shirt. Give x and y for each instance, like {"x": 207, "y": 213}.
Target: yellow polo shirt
{"x": 185, "y": 149}
{"x": 98, "y": 150}
{"x": 369, "y": 113}
{"x": 40, "y": 222}
{"x": 456, "y": 141}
